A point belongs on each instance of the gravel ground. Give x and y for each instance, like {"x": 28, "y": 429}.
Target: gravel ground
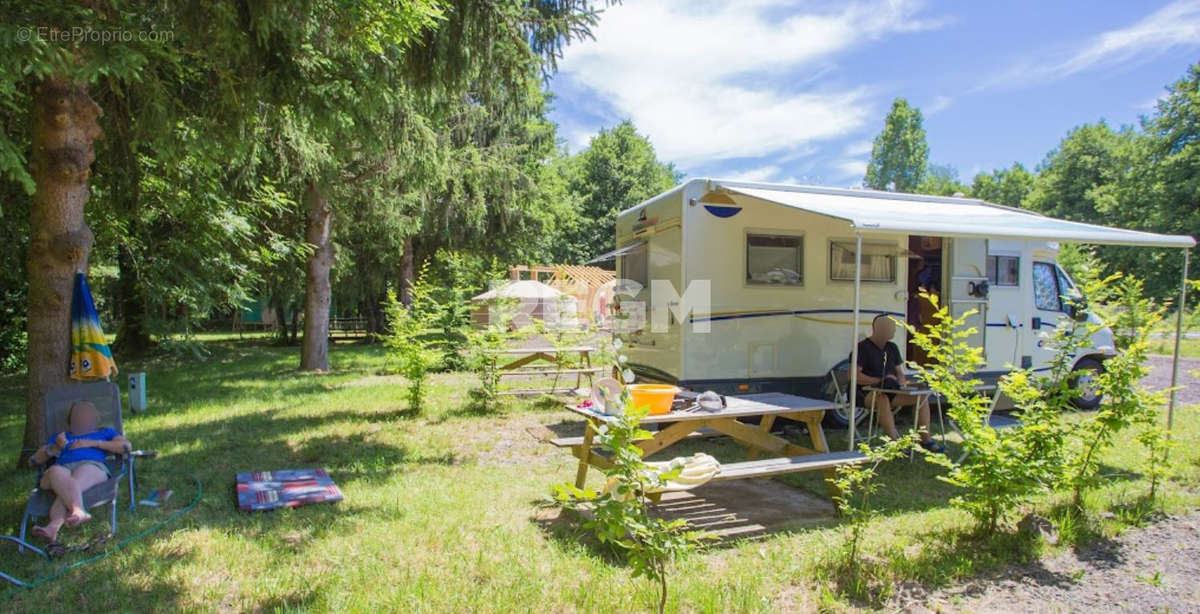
{"x": 1154, "y": 569}
{"x": 1160, "y": 377}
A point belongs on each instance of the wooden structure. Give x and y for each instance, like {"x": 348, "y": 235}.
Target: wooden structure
{"x": 580, "y": 281}
{"x": 549, "y": 362}
{"x": 783, "y": 455}
{"x": 348, "y": 328}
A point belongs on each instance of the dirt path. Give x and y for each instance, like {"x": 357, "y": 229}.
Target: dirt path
{"x": 1154, "y": 569}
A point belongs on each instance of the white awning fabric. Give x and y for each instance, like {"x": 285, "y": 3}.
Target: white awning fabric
{"x": 873, "y": 212}
{"x": 621, "y": 251}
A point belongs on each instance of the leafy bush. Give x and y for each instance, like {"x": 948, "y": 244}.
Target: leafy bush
{"x": 483, "y": 345}
{"x": 855, "y": 484}
{"x": 408, "y": 337}
{"x": 997, "y": 478}
{"x": 1127, "y": 403}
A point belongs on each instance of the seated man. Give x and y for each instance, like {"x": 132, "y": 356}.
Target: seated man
{"x": 81, "y": 451}
{"x": 880, "y": 366}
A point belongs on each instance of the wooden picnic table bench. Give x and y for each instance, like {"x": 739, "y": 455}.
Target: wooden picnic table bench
{"x": 547, "y": 361}
{"x": 784, "y": 456}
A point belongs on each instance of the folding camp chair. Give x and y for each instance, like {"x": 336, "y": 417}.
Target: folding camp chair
{"x": 840, "y": 378}
{"x": 107, "y": 398}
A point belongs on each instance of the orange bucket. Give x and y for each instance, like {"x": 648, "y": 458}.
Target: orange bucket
{"x": 657, "y": 397}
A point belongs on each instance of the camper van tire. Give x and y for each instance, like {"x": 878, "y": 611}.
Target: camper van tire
{"x": 836, "y": 383}
{"x": 1083, "y": 376}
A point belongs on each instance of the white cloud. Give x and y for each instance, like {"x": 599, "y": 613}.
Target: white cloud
{"x": 1174, "y": 25}
{"x": 708, "y": 80}
{"x": 938, "y": 104}
{"x": 858, "y": 148}
{"x": 851, "y": 169}
{"x": 762, "y": 173}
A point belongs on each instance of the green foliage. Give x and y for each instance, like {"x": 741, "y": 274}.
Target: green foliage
{"x": 1008, "y": 186}
{"x": 855, "y": 483}
{"x": 483, "y": 345}
{"x": 617, "y": 170}
{"x": 409, "y": 340}
{"x": 996, "y": 478}
{"x": 1128, "y": 403}
{"x": 942, "y": 180}
{"x": 620, "y": 516}
{"x": 900, "y": 155}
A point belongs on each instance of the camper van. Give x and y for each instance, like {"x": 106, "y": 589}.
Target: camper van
{"x": 789, "y": 267}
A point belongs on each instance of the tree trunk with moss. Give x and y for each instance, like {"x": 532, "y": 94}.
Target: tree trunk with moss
{"x": 314, "y": 351}
{"x": 65, "y": 128}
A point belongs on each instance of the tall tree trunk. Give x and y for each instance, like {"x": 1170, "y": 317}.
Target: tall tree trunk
{"x": 406, "y": 273}
{"x": 64, "y": 131}
{"x": 314, "y": 350}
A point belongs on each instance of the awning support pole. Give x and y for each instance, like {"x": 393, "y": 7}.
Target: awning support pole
{"x": 852, "y": 393}
{"x": 1187, "y": 255}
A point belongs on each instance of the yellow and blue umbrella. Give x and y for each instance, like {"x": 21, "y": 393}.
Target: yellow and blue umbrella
{"x": 90, "y": 356}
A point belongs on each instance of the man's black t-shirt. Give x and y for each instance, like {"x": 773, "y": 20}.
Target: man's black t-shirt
{"x": 876, "y": 361}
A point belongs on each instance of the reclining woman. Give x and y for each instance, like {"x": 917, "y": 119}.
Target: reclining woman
{"x": 81, "y": 451}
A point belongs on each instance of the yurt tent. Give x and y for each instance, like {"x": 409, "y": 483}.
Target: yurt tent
{"x": 531, "y": 300}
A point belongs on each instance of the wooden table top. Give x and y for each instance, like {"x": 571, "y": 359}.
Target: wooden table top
{"x": 761, "y": 404}
{"x": 545, "y": 350}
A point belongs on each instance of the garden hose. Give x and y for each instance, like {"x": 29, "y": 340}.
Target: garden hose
{"x": 12, "y": 591}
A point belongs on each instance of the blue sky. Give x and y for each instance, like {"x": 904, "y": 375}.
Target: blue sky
{"x": 794, "y": 91}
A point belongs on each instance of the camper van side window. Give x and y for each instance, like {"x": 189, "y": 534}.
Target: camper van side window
{"x": 878, "y": 262}
{"x": 776, "y": 260}
{"x": 1046, "y": 295}
{"x": 1003, "y": 270}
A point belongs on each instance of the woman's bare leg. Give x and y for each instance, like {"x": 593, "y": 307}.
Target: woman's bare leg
{"x": 85, "y": 476}
{"x": 54, "y": 478}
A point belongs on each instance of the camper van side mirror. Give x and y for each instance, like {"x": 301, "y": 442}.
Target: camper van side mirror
{"x": 1077, "y": 308}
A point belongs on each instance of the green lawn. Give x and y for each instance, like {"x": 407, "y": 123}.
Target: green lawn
{"x": 1188, "y": 348}
{"x": 442, "y": 509}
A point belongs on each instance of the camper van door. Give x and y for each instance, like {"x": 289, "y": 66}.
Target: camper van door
{"x": 968, "y": 286}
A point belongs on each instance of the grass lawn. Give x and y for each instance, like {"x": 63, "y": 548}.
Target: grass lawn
{"x": 1188, "y": 348}
{"x": 441, "y": 511}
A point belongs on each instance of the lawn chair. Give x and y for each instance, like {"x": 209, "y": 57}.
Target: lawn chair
{"x": 107, "y": 398}
{"x": 839, "y": 377}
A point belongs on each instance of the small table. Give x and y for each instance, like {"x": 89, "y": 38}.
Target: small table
{"x": 785, "y": 456}
{"x": 921, "y": 391}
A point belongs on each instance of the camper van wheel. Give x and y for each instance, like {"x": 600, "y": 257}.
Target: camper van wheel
{"x": 839, "y": 418}
{"x": 1084, "y": 379}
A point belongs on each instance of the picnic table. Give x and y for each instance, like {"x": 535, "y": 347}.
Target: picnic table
{"x": 547, "y": 360}
{"x": 783, "y": 456}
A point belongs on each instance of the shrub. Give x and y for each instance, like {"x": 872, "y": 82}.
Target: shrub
{"x": 483, "y": 345}
{"x": 408, "y": 337}
{"x": 1127, "y": 403}
{"x": 855, "y": 484}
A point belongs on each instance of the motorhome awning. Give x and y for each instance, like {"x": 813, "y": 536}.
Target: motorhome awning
{"x": 873, "y": 212}
{"x": 620, "y": 251}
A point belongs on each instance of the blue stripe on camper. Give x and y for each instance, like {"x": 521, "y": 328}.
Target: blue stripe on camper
{"x": 793, "y": 312}
{"x": 721, "y": 211}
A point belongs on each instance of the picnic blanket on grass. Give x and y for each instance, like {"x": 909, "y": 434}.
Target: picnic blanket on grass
{"x": 268, "y": 490}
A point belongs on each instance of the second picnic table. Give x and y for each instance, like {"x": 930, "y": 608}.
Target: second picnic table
{"x": 546, "y": 361}
{"x": 784, "y": 456}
